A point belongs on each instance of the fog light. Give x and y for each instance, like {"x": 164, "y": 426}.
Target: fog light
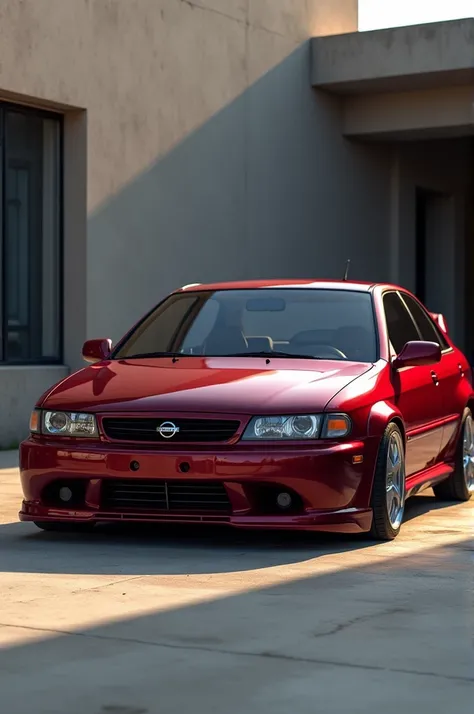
{"x": 284, "y": 500}
{"x": 65, "y": 494}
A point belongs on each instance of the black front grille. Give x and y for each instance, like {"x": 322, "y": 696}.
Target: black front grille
{"x": 187, "y": 430}
{"x": 150, "y": 495}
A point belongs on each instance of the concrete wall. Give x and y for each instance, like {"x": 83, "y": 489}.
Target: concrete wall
{"x": 445, "y": 111}
{"x": 401, "y": 58}
{"x": 20, "y": 387}
{"x": 195, "y": 150}
{"x": 190, "y": 152}
{"x": 177, "y": 163}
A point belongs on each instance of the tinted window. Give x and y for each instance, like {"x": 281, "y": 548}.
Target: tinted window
{"x": 157, "y": 333}
{"x": 400, "y": 326}
{"x": 426, "y": 326}
{"x": 330, "y": 324}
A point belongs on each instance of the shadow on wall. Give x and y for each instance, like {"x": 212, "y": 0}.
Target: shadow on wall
{"x": 9, "y": 456}
{"x": 267, "y": 187}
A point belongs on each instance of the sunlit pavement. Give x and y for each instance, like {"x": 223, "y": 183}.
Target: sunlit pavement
{"x": 198, "y": 621}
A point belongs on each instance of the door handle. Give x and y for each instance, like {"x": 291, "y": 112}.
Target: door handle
{"x": 461, "y": 371}
{"x": 435, "y": 379}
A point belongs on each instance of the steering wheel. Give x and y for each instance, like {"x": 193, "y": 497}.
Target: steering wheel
{"x": 333, "y": 351}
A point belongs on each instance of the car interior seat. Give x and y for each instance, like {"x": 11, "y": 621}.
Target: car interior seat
{"x": 226, "y": 340}
{"x": 259, "y": 344}
{"x": 355, "y": 342}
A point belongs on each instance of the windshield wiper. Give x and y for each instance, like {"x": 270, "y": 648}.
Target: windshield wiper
{"x": 150, "y": 355}
{"x": 269, "y": 354}
{"x": 178, "y": 355}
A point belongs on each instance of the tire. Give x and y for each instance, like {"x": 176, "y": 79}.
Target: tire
{"x": 389, "y": 478}
{"x": 460, "y": 485}
{"x": 63, "y": 527}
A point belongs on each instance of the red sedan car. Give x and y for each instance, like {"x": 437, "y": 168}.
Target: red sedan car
{"x": 278, "y": 404}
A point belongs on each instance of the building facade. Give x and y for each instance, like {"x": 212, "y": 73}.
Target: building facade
{"x": 145, "y": 144}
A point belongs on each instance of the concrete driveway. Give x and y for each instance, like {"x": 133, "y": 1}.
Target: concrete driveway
{"x": 168, "y": 621}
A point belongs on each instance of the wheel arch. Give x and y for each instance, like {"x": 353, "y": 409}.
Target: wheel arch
{"x": 470, "y": 404}
{"x": 399, "y": 422}
{"x": 381, "y": 415}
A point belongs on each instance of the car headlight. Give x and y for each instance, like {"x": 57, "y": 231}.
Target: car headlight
{"x": 55, "y": 423}
{"x": 301, "y": 426}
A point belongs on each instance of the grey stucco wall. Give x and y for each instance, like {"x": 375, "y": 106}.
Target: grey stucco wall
{"x": 186, "y": 144}
{"x": 196, "y": 150}
{"x": 20, "y": 387}
{"x": 176, "y": 163}
{"x": 267, "y": 187}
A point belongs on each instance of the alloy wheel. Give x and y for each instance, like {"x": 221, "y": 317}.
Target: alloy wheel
{"x": 468, "y": 453}
{"x": 395, "y": 480}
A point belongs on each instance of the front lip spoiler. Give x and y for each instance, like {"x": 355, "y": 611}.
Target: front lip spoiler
{"x": 349, "y": 520}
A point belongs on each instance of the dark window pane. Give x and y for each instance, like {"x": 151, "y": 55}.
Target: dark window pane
{"x": 159, "y": 331}
{"x": 31, "y": 240}
{"x": 426, "y": 326}
{"x": 400, "y": 326}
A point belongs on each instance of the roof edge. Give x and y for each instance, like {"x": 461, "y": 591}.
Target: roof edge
{"x": 402, "y": 58}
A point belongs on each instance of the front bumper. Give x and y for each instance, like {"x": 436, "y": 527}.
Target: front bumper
{"x": 331, "y": 492}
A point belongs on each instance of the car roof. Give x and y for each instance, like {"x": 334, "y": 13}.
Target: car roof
{"x": 359, "y": 286}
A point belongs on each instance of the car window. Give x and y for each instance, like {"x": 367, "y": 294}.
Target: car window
{"x": 324, "y": 323}
{"x": 202, "y": 326}
{"x": 400, "y": 326}
{"x": 324, "y": 314}
{"x": 157, "y": 332}
{"x": 426, "y": 326}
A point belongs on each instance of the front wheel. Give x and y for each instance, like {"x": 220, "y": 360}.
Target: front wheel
{"x": 460, "y": 485}
{"x": 388, "y": 492}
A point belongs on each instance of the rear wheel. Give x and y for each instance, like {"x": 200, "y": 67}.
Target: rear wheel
{"x": 63, "y": 527}
{"x": 388, "y": 493}
{"x": 460, "y": 485}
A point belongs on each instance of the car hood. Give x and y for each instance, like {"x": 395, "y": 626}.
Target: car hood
{"x": 214, "y": 385}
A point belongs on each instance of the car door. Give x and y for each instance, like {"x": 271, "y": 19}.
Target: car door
{"x": 416, "y": 390}
{"x": 450, "y": 371}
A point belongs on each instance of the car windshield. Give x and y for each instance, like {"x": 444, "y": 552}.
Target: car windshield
{"x": 272, "y": 322}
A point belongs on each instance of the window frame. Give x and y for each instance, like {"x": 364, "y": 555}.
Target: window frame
{"x": 401, "y": 294}
{"x": 59, "y": 118}
{"x": 442, "y": 338}
{"x": 391, "y": 351}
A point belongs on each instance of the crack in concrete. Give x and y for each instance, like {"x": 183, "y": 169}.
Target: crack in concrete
{"x": 246, "y": 22}
{"x": 241, "y": 653}
{"x": 198, "y": 6}
{"x": 360, "y": 618}
{"x": 109, "y": 584}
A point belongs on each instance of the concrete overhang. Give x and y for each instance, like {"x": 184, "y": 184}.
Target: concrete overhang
{"x": 406, "y": 82}
{"x": 399, "y": 59}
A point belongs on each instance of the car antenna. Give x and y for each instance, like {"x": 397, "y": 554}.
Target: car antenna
{"x": 346, "y": 274}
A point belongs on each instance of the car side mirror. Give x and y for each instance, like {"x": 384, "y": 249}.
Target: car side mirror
{"x": 96, "y": 350}
{"x": 418, "y": 354}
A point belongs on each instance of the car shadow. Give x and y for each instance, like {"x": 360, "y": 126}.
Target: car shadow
{"x": 155, "y": 549}
{"x": 418, "y": 506}
{"x": 172, "y": 549}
